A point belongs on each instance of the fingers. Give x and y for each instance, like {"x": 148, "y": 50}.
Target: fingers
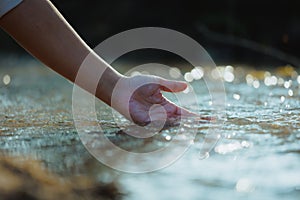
{"x": 172, "y": 86}
{"x": 178, "y": 86}
{"x": 186, "y": 113}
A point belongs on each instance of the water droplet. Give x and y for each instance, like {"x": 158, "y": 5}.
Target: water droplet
{"x": 203, "y": 155}
{"x": 228, "y": 76}
{"x": 270, "y": 80}
{"x": 249, "y": 79}
{"x": 229, "y": 68}
{"x": 197, "y": 73}
{"x": 256, "y": 84}
{"x": 188, "y": 77}
{"x": 274, "y": 80}
{"x": 236, "y": 96}
{"x": 6, "y": 79}
{"x": 280, "y": 81}
{"x": 287, "y": 84}
{"x": 267, "y": 81}
{"x": 168, "y": 137}
{"x": 228, "y": 148}
{"x": 290, "y": 92}
{"x": 245, "y": 144}
{"x": 282, "y": 99}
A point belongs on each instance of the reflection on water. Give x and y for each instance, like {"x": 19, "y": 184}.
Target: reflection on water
{"x": 258, "y": 156}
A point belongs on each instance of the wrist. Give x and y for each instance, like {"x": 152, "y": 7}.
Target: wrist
{"x": 107, "y": 83}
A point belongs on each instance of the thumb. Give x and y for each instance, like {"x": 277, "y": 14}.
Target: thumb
{"x": 172, "y": 86}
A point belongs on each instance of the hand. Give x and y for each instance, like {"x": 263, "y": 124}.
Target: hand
{"x": 139, "y": 98}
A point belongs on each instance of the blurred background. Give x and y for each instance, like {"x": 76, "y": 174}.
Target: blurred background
{"x": 259, "y": 33}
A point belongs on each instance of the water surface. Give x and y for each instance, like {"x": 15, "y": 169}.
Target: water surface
{"x": 258, "y": 156}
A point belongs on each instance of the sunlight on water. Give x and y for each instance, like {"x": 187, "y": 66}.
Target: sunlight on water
{"x": 6, "y": 79}
{"x": 258, "y": 154}
{"x": 244, "y": 185}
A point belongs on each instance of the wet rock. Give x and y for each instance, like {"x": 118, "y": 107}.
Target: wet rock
{"x": 29, "y": 180}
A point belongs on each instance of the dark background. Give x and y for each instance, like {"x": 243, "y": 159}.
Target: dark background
{"x": 256, "y": 32}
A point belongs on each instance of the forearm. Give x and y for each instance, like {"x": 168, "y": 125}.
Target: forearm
{"x": 42, "y": 30}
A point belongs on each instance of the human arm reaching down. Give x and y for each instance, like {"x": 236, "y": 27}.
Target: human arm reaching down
{"x": 39, "y": 28}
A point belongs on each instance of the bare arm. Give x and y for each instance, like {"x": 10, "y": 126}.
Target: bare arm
{"x": 39, "y": 27}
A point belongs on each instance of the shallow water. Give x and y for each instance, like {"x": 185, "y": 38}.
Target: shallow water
{"x": 257, "y": 157}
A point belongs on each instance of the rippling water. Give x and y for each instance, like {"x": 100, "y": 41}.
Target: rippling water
{"x": 257, "y": 157}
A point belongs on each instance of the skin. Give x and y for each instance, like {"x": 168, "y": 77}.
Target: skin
{"x": 39, "y": 28}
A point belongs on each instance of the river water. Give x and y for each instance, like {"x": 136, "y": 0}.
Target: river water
{"x": 257, "y": 156}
